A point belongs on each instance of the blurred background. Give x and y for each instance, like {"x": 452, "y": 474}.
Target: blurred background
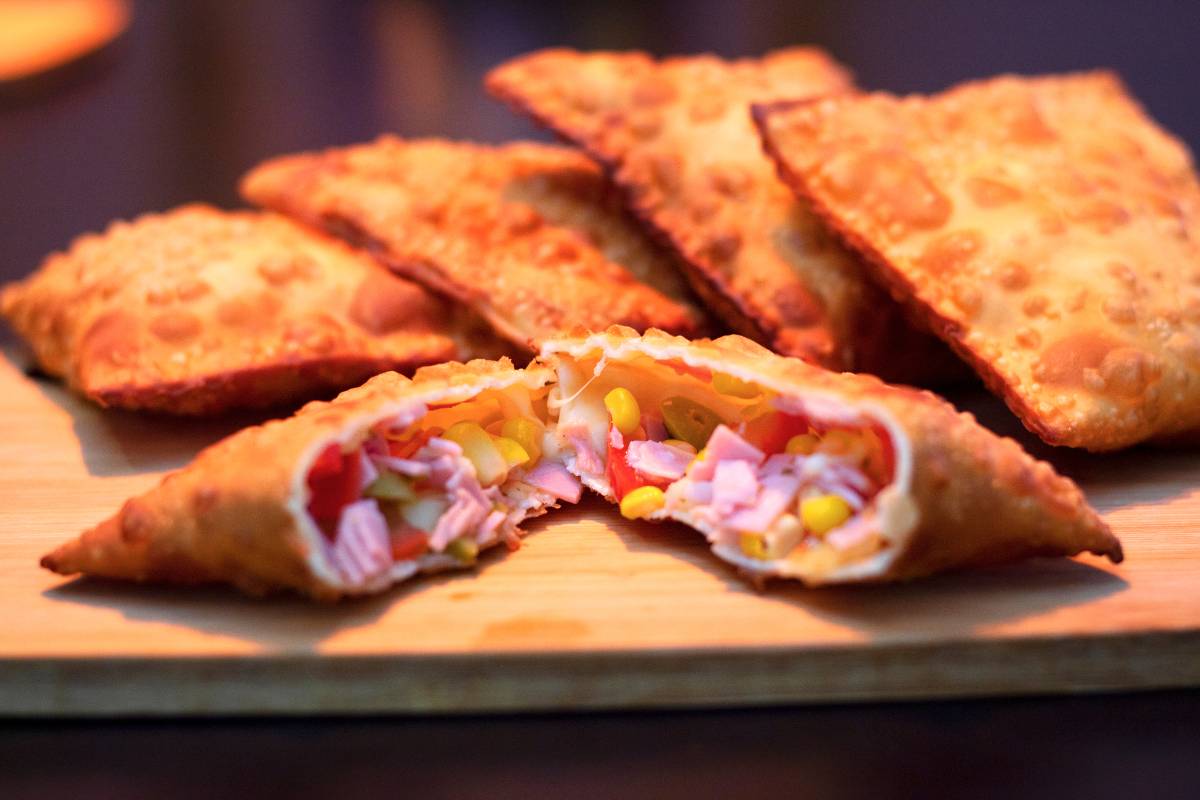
{"x": 196, "y": 91}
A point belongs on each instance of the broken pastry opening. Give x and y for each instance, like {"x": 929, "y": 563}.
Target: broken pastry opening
{"x": 428, "y": 487}
{"x": 780, "y": 481}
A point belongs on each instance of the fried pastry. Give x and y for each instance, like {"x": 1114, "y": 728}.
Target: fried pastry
{"x": 677, "y": 137}
{"x": 349, "y": 497}
{"x": 1045, "y": 227}
{"x": 788, "y": 469}
{"x": 525, "y": 234}
{"x": 196, "y": 311}
{"x": 792, "y": 471}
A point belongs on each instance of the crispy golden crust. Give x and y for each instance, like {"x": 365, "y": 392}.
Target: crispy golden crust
{"x": 526, "y": 234}
{"x": 233, "y": 514}
{"x": 963, "y": 496}
{"x": 1046, "y": 228}
{"x": 196, "y": 311}
{"x": 677, "y": 137}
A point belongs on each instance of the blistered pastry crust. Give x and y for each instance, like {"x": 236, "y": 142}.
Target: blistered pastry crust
{"x": 236, "y": 514}
{"x": 677, "y": 137}
{"x": 526, "y": 234}
{"x": 196, "y": 311}
{"x": 1045, "y": 227}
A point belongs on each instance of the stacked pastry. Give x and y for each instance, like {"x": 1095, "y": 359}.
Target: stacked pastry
{"x": 1043, "y": 228}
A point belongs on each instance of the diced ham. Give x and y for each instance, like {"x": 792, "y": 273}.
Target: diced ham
{"x": 438, "y": 446}
{"x": 465, "y": 514}
{"x": 554, "y": 479}
{"x": 490, "y": 524}
{"x": 657, "y": 460}
{"x": 443, "y": 469}
{"x": 849, "y": 475}
{"x": 724, "y": 445}
{"x": 615, "y": 440}
{"x": 700, "y": 492}
{"x": 361, "y": 550}
{"x": 778, "y": 493}
{"x": 734, "y": 484}
{"x": 369, "y": 472}
{"x": 404, "y": 466}
{"x": 780, "y": 462}
{"x": 853, "y": 533}
{"x": 653, "y": 425}
{"x": 587, "y": 460}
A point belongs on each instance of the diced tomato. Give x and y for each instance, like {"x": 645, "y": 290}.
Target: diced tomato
{"x": 620, "y": 475}
{"x": 408, "y": 543}
{"x": 334, "y": 481}
{"x": 770, "y": 432}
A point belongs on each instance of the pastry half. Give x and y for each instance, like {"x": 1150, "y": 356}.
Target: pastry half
{"x": 796, "y": 472}
{"x": 347, "y": 497}
{"x": 1045, "y": 227}
{"x": 676, "y": 135}
{"x": 197, "y": 310}
{"x": 528, "y": 235}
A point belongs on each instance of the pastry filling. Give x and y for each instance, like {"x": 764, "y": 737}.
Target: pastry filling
{"x": 430, "y": 494}
{"x": 765, "y": 476}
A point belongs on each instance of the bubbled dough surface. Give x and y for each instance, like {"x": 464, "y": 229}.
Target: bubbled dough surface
{"x": 1048, "y": 226}
{"x": 195, "y": 295}
{"x": 525, "y": 233}
{"x": 678, "y": 137}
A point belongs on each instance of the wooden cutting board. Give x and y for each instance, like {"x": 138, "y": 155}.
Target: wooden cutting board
{"x": 592, "y": 612}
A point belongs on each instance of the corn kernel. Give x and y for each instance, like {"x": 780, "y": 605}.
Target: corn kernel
{"x": 824, "y": 513}
{"x": 478, "y": 448}
{"x": 680, "y": 444}
{"x": 642, "y": 502}
{"x": 527, "y": 433}
{"x": 753, "y": 545}
{"x": 512, "y": 451}
{"x": 803, "y": 445}
{"x": 623, "y": 408}
{"x": 735, "y": 387}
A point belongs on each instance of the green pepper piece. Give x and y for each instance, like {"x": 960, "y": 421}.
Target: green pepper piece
{"x": 688, "y": 420}
{"x": 464, "y": 549}
{"x": 424, "y": 512}
{"x": 390, "y": 486}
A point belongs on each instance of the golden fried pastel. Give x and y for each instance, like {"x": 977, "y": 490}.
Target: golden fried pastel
{"x": 789, "y": 470}
{"x": 342, "y": 498}
{"x": 1046, "y": 228}
{"x": 196, "y": 310}
{"x": 677, "y": 137}
{"x": 796, "y": 472}
{"x": 526, "y": 234}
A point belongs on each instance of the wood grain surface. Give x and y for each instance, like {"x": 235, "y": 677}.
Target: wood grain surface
{"x": 592, "y": 612}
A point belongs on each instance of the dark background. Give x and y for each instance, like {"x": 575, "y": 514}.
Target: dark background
{"x": 197, "y": 91}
